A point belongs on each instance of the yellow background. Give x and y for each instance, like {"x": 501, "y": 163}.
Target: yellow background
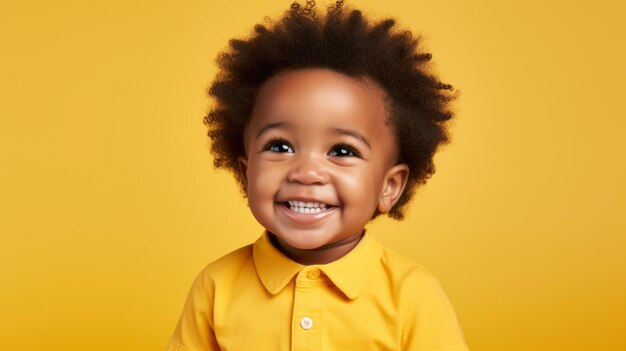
{"x": 110, "y": 206}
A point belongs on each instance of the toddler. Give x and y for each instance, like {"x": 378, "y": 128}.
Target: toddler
{"x": 327, "y": 121}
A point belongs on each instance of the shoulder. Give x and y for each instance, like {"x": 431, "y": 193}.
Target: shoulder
{"x": 404, "y": 269}
{"x": 412, "y": 282}
{"x": 428, "y": 319}
{"x": 227, "y": 266}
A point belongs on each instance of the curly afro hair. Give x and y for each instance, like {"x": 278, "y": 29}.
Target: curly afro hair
{"x": 345, "y": 41}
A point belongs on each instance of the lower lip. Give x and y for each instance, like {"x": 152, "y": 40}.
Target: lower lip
{"x": 305, "y": 218}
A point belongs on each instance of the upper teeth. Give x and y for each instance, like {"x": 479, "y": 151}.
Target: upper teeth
{"x": 307, "y": 204}
{"x": 307, "y": 207}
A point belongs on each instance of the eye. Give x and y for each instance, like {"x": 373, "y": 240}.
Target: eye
{"x": 278, "y": 145}
{"x": 344, "y": 151}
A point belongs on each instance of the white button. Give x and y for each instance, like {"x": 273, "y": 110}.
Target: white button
{"x": 306, "y": 323}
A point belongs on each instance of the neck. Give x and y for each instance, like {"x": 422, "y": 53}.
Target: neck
{"x": 321, "y": 255}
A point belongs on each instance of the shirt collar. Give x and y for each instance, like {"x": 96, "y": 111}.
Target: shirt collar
{"x": 350, "y": 274}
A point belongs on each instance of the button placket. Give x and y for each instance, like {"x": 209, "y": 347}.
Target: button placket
{"x": 306, "y": 318}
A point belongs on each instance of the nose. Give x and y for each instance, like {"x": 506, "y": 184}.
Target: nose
{"x": 308, "y": 169}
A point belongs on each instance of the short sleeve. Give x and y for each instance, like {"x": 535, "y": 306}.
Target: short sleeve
{"x": 194, "y": 331}
{"x": 431, "y": 323}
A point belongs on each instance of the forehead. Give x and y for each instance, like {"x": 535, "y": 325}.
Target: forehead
{"x": 318, "y": 94}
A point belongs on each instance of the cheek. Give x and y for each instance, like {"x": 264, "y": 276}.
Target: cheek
{"x": 262, "y": 180}
{"x": 359, "y": 187}
{"x": 260, "y": 196}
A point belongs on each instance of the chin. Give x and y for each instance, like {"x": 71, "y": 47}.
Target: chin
{"x": 303, "y": 241}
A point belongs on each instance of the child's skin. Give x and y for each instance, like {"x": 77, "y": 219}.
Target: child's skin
{"x": 316, "y": 135}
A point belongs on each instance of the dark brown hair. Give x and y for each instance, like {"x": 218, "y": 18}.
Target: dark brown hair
{"x": 345, "y": 41}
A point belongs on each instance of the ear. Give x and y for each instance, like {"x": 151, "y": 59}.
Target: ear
{"x": 395, "y": 181}
{"x": 243, "y": 170}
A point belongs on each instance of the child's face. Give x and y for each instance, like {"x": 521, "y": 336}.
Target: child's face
{"x": 320, "y": 157}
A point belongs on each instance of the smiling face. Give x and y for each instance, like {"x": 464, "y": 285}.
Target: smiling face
{"x": 320, "y": 160}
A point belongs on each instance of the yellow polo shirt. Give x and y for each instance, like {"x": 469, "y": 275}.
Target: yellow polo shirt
{"x": 255, "y": 298}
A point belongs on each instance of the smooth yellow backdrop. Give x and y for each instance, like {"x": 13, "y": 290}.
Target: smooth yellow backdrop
{"x": 109, "y": 205}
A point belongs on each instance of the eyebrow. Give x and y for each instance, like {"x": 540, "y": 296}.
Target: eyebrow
{"x": 275, "y": 125}
{"x": 341, "y": 131}
{"x": 352, "y": 133}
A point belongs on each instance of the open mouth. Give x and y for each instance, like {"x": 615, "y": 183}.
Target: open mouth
{"x": 307, "y": 207}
